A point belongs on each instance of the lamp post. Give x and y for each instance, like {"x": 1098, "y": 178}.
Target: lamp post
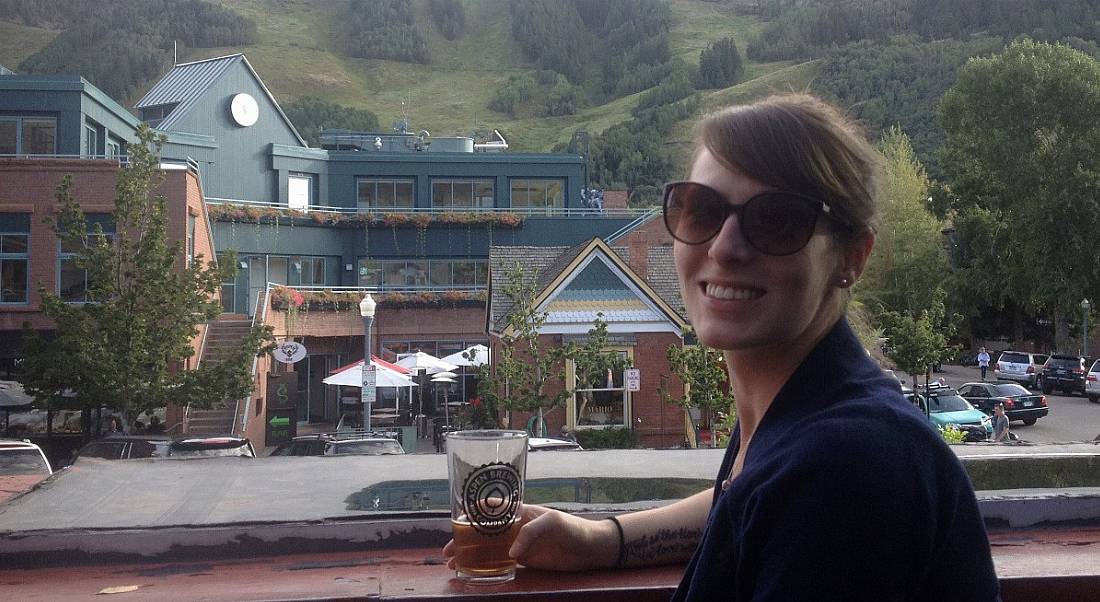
{"x": 1085, "y": 327}
{"x": 366, "y": 309}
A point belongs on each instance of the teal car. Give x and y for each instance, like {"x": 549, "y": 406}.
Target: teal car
{"x": 944, "y": 408}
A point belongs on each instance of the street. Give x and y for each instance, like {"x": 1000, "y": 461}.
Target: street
{"x": 1070, "y": 418}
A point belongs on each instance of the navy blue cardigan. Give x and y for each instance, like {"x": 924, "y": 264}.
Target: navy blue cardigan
{"x": 847, "y": 493}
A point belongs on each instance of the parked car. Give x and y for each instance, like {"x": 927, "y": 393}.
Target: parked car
{"x": 549, "y": 444}
{"x": 1064, "y": 372}
{"x": 338, "y": 444}
{"x": 1092, "y": 383}
{"x": 1020, "y": 366}
{"x": 944, "y": 408}
{"x": 126, "y": 447}
{"x": 22, "y": 466}
{"x": 207, "y": 447}
{"x": 1020, "y": 404}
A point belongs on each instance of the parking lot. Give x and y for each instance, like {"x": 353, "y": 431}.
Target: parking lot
{"x": 1070, "y": 418}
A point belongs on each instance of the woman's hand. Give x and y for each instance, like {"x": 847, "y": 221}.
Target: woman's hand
{"x": 556, "y": 541}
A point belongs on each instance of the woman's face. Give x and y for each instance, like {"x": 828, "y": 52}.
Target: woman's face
{"x": 738, "y": 298}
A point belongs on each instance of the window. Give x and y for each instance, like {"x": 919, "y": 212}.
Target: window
{"x": 462, "y": 194}
{"x": 191, "y": 222}
{"x": 385, "y": 192}
{"x": 91, "y": 141}
{"x": 14, "y": 257}
{"x": 73, "y": 284}
{"x": 299, "y": 191}
{"x": 544, "y": 193}
{"x": 28, "y": 135}
{"x": 602, "y": 402}
{"x": 114, "y": 149}
{"x": 307, "y": 271}
{"x": 404, "y": 273}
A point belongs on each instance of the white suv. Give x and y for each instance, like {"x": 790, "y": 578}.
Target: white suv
{"x": 1092, "y": 383}
{"x": 1020, "y": 366}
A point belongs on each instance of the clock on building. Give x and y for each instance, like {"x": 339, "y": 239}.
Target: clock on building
{"x": 244, "y": 110}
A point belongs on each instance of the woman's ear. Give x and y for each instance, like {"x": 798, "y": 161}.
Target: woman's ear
{"x": 856, "y": 254}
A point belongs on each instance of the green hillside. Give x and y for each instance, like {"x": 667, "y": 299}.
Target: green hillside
{"x": 299, "y": 52}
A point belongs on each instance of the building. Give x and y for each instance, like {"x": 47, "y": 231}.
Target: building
{"x": 407, "y": 215}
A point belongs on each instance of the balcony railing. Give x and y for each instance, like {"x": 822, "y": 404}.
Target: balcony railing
{"x": 609, "y": 212}
{"x": 122, "y": 160}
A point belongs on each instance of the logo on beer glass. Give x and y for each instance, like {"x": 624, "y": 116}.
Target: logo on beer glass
{"x": 491, "y": 497}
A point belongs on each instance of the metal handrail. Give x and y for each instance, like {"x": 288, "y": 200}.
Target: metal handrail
{"x": 255, "y": 364}
{"x": 525, "y": 211}
{"x": 380, "y": 289}
{"x": 637, "y": 223}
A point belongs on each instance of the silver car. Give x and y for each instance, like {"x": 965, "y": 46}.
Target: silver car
{"x": 1020, "y": 366}
{"x": 1092, "y": 383}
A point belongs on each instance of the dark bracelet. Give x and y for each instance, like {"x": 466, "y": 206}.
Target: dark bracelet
{"x": 622, "y": 542}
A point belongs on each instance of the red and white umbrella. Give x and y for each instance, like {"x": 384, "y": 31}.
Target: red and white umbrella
{"x": 386, "y": 375}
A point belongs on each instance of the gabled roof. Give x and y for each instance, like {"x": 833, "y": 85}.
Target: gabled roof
{"x": 185, "y": 84}
{"x": 554, "y": 270}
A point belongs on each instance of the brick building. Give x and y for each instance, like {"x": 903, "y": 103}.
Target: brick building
{"x": 402, "y": 214}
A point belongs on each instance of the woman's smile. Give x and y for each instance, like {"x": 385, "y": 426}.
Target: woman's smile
{"x": 731, "y": 293}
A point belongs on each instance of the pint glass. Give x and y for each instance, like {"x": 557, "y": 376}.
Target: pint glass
{"x": 486, "y": 470}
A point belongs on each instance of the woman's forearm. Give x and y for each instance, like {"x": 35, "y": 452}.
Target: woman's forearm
{"x": 667, "y": 534}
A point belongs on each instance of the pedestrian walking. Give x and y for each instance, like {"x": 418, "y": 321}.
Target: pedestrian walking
{"x": 983, "y": 361}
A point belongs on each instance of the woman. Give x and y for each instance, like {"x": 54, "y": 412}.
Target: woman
{"x": 833, "y": 487}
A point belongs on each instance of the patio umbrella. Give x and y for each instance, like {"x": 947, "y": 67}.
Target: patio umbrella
{"x": 425, "y": 361}
{"x": 386, "y": 375}
{"x": 479, "y": 353}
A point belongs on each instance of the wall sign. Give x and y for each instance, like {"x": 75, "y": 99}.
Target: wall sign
{"x": 289, "y": 352}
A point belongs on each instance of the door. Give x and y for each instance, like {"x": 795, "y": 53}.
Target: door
{"x": 257, "y": 281}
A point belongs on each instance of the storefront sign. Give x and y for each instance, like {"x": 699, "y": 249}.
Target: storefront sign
{"x": 289, "y": 352}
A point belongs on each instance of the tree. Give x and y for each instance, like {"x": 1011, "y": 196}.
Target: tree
{"x": 916, "y": 344}
{"x": 521, "y": 369}
{"x": 720, "y": 64}
{"x": 909, "y": 260}
{"x": 1022, "y": 142}
{"x": 703, "y": 371}
{"x": 310, "y": 115}
{"x": 125, "y": 348}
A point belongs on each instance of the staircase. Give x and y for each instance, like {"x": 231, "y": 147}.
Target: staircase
{"x": 223, "y": 335}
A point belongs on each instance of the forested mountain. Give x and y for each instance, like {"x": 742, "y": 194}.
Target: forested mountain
{"x": 122, "y": 44}
{"x": 633, "y": 73}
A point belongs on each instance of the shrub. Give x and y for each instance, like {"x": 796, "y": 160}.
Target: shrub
{"x": 612, "y": 437}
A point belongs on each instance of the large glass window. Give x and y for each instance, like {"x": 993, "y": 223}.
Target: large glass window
{"x": 14, "y": 257}
{"x": 385, "y": 192}
{"x": 601, "y": 401}
{"x": 462, "y": 194}
{"x": 307, "y": 271}
{"x": 401, "y": 273}
{"x": 73, "y": 282}
{"x": 538, "y": 193}
{"x": 28, "y": 135}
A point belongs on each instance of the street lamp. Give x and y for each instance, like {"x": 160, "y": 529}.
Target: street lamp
{"x": 1085, "y": 327}
{"x": 366, "y": 309}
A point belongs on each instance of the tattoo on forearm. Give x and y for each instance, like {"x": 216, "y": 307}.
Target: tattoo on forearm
{"x": 666, "y": 545}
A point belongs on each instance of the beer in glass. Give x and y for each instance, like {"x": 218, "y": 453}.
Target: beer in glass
{"x": 486, "y": 470}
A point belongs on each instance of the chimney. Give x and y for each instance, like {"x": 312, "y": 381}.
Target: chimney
{"x": 638, "y": 244}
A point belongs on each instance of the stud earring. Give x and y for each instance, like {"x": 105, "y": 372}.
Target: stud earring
{"x": 844, "y": 282}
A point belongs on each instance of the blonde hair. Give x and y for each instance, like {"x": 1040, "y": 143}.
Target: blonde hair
{"x": 799, "y": 143}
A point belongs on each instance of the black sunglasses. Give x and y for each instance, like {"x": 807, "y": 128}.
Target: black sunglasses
{"x": 774, "y": 222}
